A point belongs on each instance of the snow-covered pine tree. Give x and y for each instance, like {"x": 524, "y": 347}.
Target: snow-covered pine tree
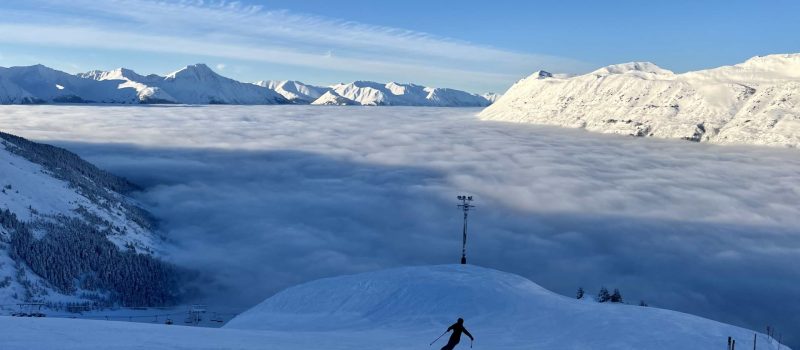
{"x": 616, "y": 297}
{"x": 580, "y": 293}
{"x": 603, "y": 296}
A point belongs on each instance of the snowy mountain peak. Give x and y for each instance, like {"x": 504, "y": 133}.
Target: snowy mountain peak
{"x": 199, "y": 84}
{"x": 295, "y": 91}
{"x": 370, "y": 93}
{"x": 786, "y": 65}
{"x": 755, "y": 102}
{"x": 115, "y": 74}
{"x": 622, "y": 68}
{"x": 330, "y": 98}
{"x": 199, "y": 71}
{"x": 540, "y": 74}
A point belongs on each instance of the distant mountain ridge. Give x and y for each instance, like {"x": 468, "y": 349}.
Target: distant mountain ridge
{"x": 754, "y": 102}
{"x": 369, "y": 93}
{"x": 199, "y": 84}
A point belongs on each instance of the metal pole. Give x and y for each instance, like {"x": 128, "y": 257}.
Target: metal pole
{"x": 465, "y": 206}
{"x": 464, "y": 242}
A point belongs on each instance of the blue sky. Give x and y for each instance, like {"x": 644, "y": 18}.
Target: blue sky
{"x": 474, "y": 45}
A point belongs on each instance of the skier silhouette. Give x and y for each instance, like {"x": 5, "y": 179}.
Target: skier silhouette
{"x": 457, "y": 329}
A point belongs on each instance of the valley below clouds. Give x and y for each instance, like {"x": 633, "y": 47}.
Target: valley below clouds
{"x": 260, "y": 198}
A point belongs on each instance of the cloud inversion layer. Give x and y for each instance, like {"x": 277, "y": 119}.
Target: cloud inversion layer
{"x": 261, "y": 198}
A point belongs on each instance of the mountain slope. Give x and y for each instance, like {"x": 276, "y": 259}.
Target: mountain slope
{"x": 53, "y": 86}
{"x": 146, "y": 87}
{"x": 368, "y": 93}
{"x": 294, "y": 91}
{"x": 198, "y": 84}
{"x": 330, "y": 98}
{"x": 11, "y": 93}
{"x": 755, "y": 102}
{"x": 55, "y": 208}
{"x": 502, "y": 310}
{"x": 194, "y": 84}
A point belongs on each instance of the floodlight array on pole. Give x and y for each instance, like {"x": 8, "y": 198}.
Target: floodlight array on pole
{"x": 465, "y": 206}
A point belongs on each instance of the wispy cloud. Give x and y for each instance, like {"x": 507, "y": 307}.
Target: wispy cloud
{"x": 236, "y": 31}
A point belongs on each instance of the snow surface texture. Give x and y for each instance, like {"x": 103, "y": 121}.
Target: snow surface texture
{"x": 198, "y": 84}
{"x": 502, "y": 310}
{"x": 36, "y": 196}
{"x": 686, "y": 226}
{"x": 405, "y": 308}
{"x": 755, "y": 102}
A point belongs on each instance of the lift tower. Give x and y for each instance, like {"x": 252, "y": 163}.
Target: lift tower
{"x": 465, "y": 206}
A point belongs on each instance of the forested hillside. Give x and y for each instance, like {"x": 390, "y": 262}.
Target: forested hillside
{"x": 70, "y": 234}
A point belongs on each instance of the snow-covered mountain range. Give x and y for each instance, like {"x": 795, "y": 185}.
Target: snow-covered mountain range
{"x": 70, "y": 234}
{"x": 368, "y": 93}
{"x": 199, "y": 84}
{"x": 755, "y": 102}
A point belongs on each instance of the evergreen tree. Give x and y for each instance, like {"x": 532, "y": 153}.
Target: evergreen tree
{"x": 616, "y": 297}
{"x": 642, "y": 303}
{"x": 580, "y": 293}
{"x": 603, "y": 296}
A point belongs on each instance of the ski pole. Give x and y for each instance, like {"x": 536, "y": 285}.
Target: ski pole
{"x": 470, "y": 343}
{"x": 437, "y": 338}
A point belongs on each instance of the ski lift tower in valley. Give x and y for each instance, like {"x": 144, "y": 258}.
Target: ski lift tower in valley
{"x": 465, "y": 206}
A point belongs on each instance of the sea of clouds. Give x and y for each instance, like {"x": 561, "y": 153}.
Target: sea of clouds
{"x": 259, "y": 198}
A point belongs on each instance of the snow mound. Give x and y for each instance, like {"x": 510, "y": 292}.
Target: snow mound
{"x": 502, "y": 310}
{"x": 755, "y": 102}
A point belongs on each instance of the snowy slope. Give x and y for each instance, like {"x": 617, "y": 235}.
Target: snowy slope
{"x": 198, "y": 84}
{"x": 755, "y": 102}
{"x": 194, "y": 84}
{"x": 146, "y": 87}
{"x": 11, "y": 93}
{"x": 50, "y": 85}
{"x": 294, "y": 91}
{"x": 55, "y": 206}
{"x": 368, "y": 93}
{"x": 502, "y": 310}
{"x": 330, "y": 98}
{"x": 405, "y": 308}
